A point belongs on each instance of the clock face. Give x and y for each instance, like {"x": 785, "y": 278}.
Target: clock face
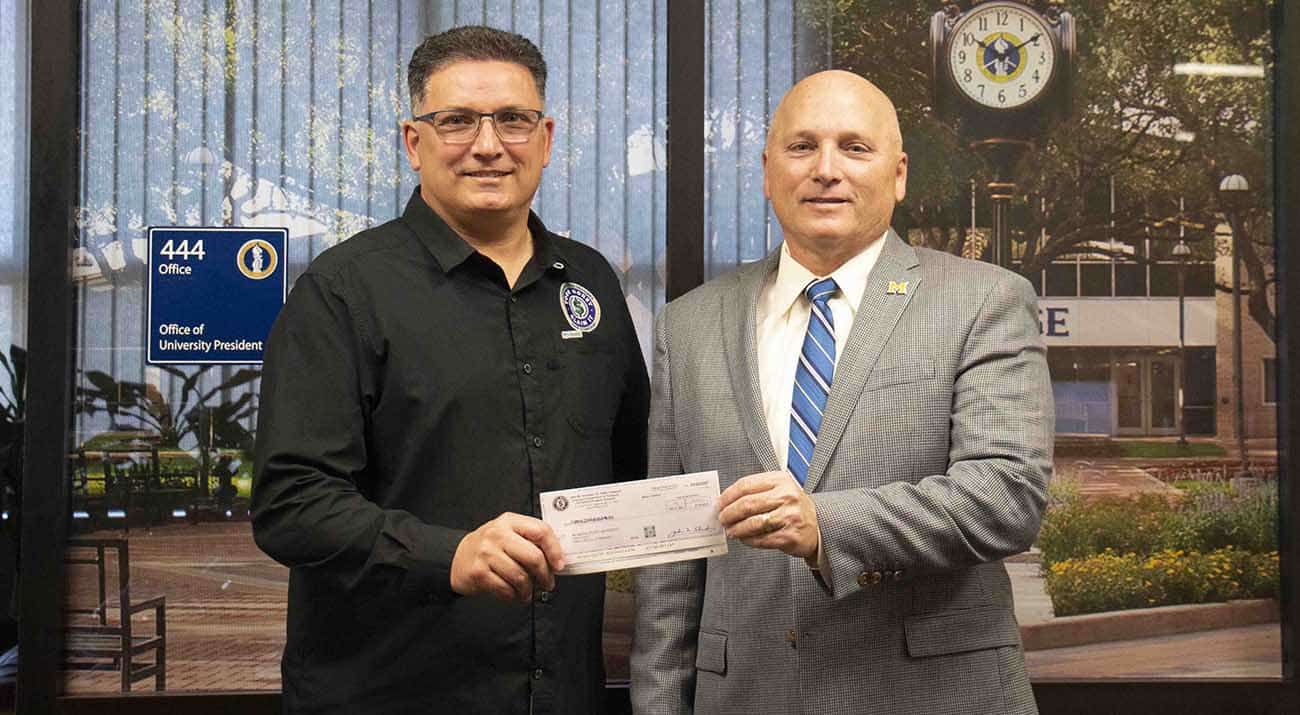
{"x": 1001, "y": 55}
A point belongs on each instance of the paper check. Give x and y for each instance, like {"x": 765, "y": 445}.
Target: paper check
{"x": 639, "y": 523}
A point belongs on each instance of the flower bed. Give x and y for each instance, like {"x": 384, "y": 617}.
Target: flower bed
{"x": 1215, "y": 544}
{"x": 1111, "y": 582}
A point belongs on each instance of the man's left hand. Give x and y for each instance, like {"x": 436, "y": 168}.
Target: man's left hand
{"x": 771, "y": 511}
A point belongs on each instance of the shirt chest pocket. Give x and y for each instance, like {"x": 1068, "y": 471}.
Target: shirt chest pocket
{"x": 591, "y": 379}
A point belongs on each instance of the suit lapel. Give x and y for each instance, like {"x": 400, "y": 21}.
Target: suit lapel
{"x": 878, "y": 313}
{"x": 740, "y": 342}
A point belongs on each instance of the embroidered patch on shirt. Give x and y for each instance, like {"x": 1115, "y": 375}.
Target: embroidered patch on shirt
{"x": 580, "y": 308}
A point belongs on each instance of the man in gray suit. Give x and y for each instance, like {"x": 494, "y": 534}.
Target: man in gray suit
{"x": 881, "y": 420}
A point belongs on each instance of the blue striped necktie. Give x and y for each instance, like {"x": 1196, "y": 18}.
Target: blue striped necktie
{"x": 812, "y": 378}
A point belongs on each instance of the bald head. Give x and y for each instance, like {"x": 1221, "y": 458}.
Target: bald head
{"x": 836, "y": 94}
{"x": 833, "y": 168}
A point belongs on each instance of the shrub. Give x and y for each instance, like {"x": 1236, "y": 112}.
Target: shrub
{"x": 1218, "y": 519}
{"x": 1109, "y": 581}
{"x": 1076, "y": 528}
{"x": 1208, "y": 518}
{"x": 619, "y": 581}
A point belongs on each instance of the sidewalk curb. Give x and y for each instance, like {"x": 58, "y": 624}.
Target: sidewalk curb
{"x": 1146, "y": 623}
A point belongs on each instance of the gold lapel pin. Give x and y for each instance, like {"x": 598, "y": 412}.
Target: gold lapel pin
{"x": 897, "y": 288}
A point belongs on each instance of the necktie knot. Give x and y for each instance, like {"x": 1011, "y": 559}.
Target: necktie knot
{"x": 821, "y": 291}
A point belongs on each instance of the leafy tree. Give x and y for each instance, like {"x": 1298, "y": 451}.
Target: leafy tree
{"x": 140, "y": 405}
{"x": 1159, "y": 135}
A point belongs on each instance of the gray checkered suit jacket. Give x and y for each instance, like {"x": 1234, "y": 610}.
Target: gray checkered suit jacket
{"x": 931, "y": 466}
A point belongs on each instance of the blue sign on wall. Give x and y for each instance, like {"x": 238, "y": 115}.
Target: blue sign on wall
{"x": 214, "y": 293}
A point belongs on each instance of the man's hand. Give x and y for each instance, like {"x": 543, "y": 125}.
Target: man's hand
{"x": 507, "y": 557}
{"x": 771, "y": 511}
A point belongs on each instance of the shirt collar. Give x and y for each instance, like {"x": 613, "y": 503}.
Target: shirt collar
{"x": 450, "y": 250}
{"x": 792, "y": 277}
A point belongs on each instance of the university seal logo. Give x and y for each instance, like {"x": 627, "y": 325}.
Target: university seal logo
{"x": 257, "y": 259}
{"x": 580, "y": 307}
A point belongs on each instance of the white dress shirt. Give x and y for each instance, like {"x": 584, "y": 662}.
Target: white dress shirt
{"x": 783, "y": 313}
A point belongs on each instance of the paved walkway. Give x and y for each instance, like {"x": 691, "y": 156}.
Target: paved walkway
{"x": 1246, "y": 652}
{"x": 226, "y": 607}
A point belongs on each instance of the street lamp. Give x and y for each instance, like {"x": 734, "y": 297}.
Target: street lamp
{"x": 1234, "y": 196}
{"x": 1181, "y": 252}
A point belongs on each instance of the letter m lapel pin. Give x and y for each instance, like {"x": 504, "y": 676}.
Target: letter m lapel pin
{"x": 897, "y": 288}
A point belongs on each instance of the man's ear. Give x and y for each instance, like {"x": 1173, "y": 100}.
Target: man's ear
{"x": 548, "y": 126}
{"x": 900, "y": 178}
{"x": 766, "y": 193}
{"x": 411, "y": 140}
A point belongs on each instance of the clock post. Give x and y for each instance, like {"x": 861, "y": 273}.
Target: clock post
{"x": 1000, "y": 70}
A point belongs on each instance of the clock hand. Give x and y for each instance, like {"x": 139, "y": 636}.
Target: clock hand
{"x": 1026, "y": 42}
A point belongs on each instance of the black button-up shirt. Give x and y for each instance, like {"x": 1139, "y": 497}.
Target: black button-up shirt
{"x": 408, "y": 396}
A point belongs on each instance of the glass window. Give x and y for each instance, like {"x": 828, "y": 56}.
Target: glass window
{"x": 1270, "y": 381}
{"x": 1164, "y": 279}
{"x": 285, "y": 115}
{"x": 1200, "y": 280}
{"x": 1124, "y": 172}
{"x": 1199, "y": 390}
{"x": 1095, "y": 279}
{"x": 1062, "y": 280}
{"x": 1130, "y": 279}
{"x": 14, "y": 152}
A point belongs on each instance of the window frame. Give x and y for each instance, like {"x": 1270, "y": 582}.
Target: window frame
{"x": 55, "y": 67}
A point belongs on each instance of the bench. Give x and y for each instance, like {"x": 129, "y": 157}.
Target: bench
{"x": 143, "y": 487}
{"x": 101, "y": 643}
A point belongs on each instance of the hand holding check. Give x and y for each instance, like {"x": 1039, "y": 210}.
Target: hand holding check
{"x": 508, "y": 557}
{"x": 771, "y": 511}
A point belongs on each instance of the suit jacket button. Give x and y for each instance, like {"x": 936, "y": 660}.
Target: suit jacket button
{"x": 864, "y": 579}
{"x": 898, "y": 575}
{"x": 876, "y": 576}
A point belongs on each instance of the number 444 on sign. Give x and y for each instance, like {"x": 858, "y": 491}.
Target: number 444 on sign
{"x": 183, "y": 250}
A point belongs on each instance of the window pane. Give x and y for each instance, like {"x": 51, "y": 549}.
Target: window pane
{"x": 14, "y": 178}
{"x": 1200, "y": 280}
{"x": 1270, "y": 381}
{"x": 1094, "y": 279}
{"x": 1130, "y": 279}
{"x": 1062, "y": 280}
{"x": 1164, "y": 279}
{"x": 1122, "y": 181}
{"x": 288, "y": 115}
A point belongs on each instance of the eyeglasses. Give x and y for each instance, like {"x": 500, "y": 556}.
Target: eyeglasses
{"x": 461, "y": 126}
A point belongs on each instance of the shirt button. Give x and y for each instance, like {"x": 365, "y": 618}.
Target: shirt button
{"x": 544, "y": 597}
{"x": 537, "y": 674}
{"x": 792, "y": 637}
{"x": 514, "y": 299}
{"x": 528, "y": 368}
{"x": 538, "y": 441}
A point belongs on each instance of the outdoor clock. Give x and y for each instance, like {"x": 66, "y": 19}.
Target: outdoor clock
{"x": 1001, "y": 67}
{"x": 1002, "y": 55}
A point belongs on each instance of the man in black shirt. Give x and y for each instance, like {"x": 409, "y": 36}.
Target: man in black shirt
{"x": 426, "y": 380}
